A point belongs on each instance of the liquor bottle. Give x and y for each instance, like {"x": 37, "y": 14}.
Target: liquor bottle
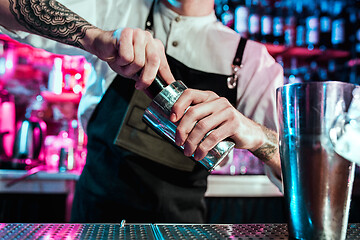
{"x": 278, "y": 24}
{"x": 241, "y": 18}
{"x": 325, "y": 25}
{"x": 315, "y": 72}
{"x": 254, "y": 21}
{"x": 357, "y": 38}
{"x": 227, "y": 17}
{"x": 218, "y": 7}
{"x": 354, "y": 28}
{"x": 267, "y": 23}
{"x": 294, "y": 73}
{"x": 332, "y": 70}
{"x": 313, "y": 26}
{"x": 354, "y": 38}
{"x": 290, "y": 25}
{"x": 301, "y": 13}
{"x": 55, "y": 80}
{"x": 338, "y": 29}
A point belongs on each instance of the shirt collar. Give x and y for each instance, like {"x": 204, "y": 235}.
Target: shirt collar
{"x": 172, "y": 15}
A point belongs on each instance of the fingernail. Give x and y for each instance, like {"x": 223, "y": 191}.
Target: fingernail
{"x": 177, "y": 141}
{"x": 197, "y": 156}
{"x": 173, "y": 117}
{"x": 187, "y": 152}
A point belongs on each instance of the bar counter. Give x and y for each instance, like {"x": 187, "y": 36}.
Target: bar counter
{"x": 13, "y": 181}
{"x": 152, "y": 231}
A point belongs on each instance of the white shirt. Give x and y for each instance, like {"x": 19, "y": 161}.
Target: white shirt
{"x": 203, "y": 44}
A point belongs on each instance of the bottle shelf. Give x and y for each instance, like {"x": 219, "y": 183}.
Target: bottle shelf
{"x": 275, "y": 49}
{"x": 303, "y": 52}
{"x": 353, "y": 62}
{"x": 61, "y": 98}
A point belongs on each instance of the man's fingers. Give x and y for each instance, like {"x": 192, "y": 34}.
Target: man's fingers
{"x": 188, "y": 98}
{"x": 140, "y": 57}
{"x": 126, "y": 48}
{"x": 152, "y": 64}
{"x": 199, "y": 120}
{"x": 164, "y": 69}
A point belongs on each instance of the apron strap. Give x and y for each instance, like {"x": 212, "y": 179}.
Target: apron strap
{"x": 150, "y": 20}
{"x": 237, "y": 64}
{"x": 240, "y": 52}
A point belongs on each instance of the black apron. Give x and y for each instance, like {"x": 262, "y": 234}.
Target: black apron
{"x": 118, "y": 184}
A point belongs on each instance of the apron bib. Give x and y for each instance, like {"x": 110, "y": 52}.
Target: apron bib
{"x": 134, "y": 135}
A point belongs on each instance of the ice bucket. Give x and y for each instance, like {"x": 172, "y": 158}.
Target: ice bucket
{"x": 317, "y": 182}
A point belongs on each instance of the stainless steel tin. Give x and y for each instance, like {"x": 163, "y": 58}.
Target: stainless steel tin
{"x": 317, "y": 182}
{"x": 157, "y": 117}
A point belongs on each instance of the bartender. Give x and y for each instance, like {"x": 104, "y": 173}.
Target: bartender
{"x": 130, "y": 173}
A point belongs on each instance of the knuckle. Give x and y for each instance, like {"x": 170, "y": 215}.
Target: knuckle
{"x": 190, "y": 141}
{"x": 154, "y": 58}
{"x": 137, "y": 32}
{"x": 181, "y": 132}
{"x": 159, "y": 44}
{"x": 127, "y": 30}
{"x": 211, "y": 93}
{"x": 231, "y": 115}
{"x": 126, "y": 58}
{"x": 148, "y": 35}
{"x": 213, "y": 136}
{"x": 202, "y": 124}
{"x": 203, "y": 148}
{"x": 191, "y": 112}
{"x": 139, "y": 62}
{"x": 126, "y": 33}
{"x": 187, "y": 92}
{"x": 223, "y": 100}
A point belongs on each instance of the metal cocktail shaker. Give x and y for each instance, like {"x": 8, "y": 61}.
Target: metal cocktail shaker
{"x": 317, "y": 182}
{"x": 157, "y": 115}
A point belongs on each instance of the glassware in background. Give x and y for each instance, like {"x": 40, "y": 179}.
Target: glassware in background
{"x": 241, "y": 162}
{"x": 59, "y": 154}
{"x": 8, "y": 60}
{"x": 66, "y": 151}
{"x": 241, "y": 18}
{"x": 345, "y": 132}
{"x": 7, "y": 121}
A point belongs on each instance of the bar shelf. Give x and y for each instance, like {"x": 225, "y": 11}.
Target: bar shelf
{"x": 304, "y": 52}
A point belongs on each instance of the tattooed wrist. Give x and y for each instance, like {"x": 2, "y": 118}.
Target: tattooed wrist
{"x": 267, "y": 151}
{"x": 51, "y": 19}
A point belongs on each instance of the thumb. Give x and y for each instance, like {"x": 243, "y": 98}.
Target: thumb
{"x": 165, "y": 72}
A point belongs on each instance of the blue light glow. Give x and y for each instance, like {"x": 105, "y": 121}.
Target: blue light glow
{"x": 175, "y": 3}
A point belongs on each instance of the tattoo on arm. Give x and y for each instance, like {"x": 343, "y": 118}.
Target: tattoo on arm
{"x": 269, "y": 148}
{"x": 50, "y": 19}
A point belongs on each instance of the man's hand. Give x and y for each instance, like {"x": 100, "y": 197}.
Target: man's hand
{"x": 208, "y": 112}
{"x": 133, "y": 53}
{"x": 203, "y": 112}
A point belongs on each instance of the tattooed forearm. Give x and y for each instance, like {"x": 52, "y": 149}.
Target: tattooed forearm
{"x": 50, "y": 19}
{"x": 268, "y": 150}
